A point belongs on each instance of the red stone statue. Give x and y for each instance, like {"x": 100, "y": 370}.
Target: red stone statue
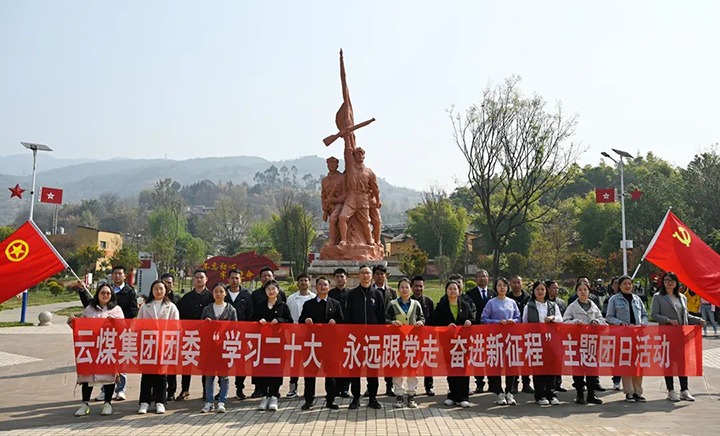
{"x": 355, "y": 208}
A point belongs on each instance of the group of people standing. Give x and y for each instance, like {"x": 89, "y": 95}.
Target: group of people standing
{"x": 374, "y": 302}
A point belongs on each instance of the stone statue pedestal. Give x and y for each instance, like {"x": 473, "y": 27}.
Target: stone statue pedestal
{"x": 357, "y": 252}
{"x": 323, "y": 267}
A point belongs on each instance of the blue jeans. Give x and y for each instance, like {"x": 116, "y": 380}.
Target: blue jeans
{"x": 120, "y": 384}
{"x": 708, "y": 316}
{"x": 210, "y": 388}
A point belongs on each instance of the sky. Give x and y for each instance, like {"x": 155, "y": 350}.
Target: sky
{"x": 187, "y": 79}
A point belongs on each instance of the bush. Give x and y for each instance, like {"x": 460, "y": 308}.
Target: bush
{"x": 55, "y": 288}
{"x": 469, "y": 284}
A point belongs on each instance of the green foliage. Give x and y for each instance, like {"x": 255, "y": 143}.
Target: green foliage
{"x": 443, "y": 265}
{"x": 578, "y": 264}
{"x": 437, "y": 226}
{"x": 292, "y": 233}
{"x": 226, "y": 226}
{"x": 55, "y": 288}
{"x": 516, "y": 264}
{"x": 86, "y": 257}
{"x": 413, "y": 262}
{"x": 126, "y": 257}
{"x": 5, "y": 231}
{"x": 469, "y": 284}
{"x": 259, "y": 237}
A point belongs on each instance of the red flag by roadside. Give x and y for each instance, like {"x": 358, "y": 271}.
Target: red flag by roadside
{"x": 676, "y": 248}
{"x": 604, "y": 195}
{"x": 51, "y": 195}
{"x": 26, "y": 259}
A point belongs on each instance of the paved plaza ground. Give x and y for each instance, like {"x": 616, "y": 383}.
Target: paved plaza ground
{"x": 38, "y": 396}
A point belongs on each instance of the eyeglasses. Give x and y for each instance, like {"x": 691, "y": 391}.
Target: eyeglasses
{"x": 669, "y": 279}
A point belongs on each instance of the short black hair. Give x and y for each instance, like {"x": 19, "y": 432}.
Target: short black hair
{"x": 234, "y": 271}
{"x": 167, "y": 276}
{"x": 117, "y": 267}
{"x": 317, "y": 280}
{"x": 266, "y": 268}
{"x": 379, "y": 267}
{"x": 302, "y": 276}
{"x": 363, "y": 266}
{"x": 456, "y": 277}
{"x": 339, "y": 271}
{"x": 416, "y": 279}
{"x": 199, "y": 270}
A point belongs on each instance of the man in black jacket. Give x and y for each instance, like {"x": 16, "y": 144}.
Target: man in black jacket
{"x": 191, "y": 307}
{"x": 380, "y": 277}
{"x": 241, "y": 300}
{"x": 339, "y": 293}
{"x": 321, "y": 310}
{"x": 365, "y": 306}
{"x": 128, "y": 301}
{"x": 428, "y": 307}
{"x": 480, "y": 295}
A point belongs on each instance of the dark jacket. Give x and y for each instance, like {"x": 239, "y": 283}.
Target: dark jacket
{"x": 341, "y": 296}
{"x": 365, "y": 306}
{"x": 280, "y": 311}
{"x": 474, "y": 314}
{"x": 443, "y": 316}
{"x": 192, "y": 304}
{"x": 243, "y": 304}
{"x": 321, "y": 312}
{"x": 228, "y": 314}
{"x": 521, "y": 301}
{"x": 428, "y": 308}
{"x": 476, "y": 296}
{"x": 259, "y": 295}
{"x": 389, "y": 293}
{"x": 126, "y": 299}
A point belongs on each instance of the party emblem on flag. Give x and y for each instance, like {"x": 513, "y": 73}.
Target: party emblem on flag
{"x": 684, "y": 237}
{"x": 17, "y": 250}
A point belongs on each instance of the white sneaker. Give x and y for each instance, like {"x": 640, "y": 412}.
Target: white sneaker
{"x": 106, "y": 409}
{"x": 449, "y": 402}
{"x": 398, "y": 402}
{"x": 673, "y": 396}
{"x": 273, "y": 405}
{"x": 143, "y": 408}
{"x": 220, "y": 408}
{"x": 554, "y": 401}
{"x": 464, "y": 404}
{"x": 100, "y": 397}
{"x": 83, "y": 410}
{"x": 159, "y": 408}
{"x": 119, "y": 396}
{"x": 685, "y": 396}
{"x": 208, "y": 408}
{"x": 543, "y": 402}
{"x": 500, "y": 400}
{"x": 510, "y": 399}
{"x": 264, "y": 403}
{"x": 616, "y": 386}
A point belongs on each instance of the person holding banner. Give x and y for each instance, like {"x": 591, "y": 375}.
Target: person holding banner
{"x": 153, "y": 386}
{"x": 191, "y": 306}
{"x": 584, "y": 311}
{"x": 626, "y": 308}
{"x": 404, "y": 311}
{"x": 539, "y": 309}
{"x": 270, "y": 311}
{"x": 102, "y": 305}
{"x": 454, "y": 311}
{"x": 669, "y": 307}
{"x": 241, "y": 300}
{"x": 219, "y": 310}
{"x": 321, "y": 310}
{"x": 295, "y": 302}
{"x": 501, "y": 310}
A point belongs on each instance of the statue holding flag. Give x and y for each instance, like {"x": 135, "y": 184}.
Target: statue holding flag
{"x": 353, "y": 238}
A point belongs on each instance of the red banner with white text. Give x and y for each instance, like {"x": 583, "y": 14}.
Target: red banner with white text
{"x": 105, "y": 346}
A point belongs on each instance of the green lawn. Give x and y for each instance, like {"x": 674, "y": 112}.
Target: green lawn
{"x": 36, "y": 298}
{"x": 15, "y": 324}
{"x": 74, "y": 310}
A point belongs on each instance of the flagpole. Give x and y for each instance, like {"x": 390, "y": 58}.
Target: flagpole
{"x": 34, "y": 148}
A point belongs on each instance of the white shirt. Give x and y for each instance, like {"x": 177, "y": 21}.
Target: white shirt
{"x": 296, "y": 301}
{"x": 218, "y": 309}
{"x": 542, "y": 309}
{"x": 233, "y": 295}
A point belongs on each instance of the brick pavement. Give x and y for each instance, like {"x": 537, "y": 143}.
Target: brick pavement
{"x": 38, "y": 395}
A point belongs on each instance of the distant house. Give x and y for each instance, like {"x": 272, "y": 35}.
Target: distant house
{"x": 398, "y": 244}
{"x": 108, "y": 242}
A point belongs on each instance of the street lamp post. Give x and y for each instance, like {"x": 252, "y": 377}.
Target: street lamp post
{"x": 34, "y": 148}
{"x": 621, "y": 165}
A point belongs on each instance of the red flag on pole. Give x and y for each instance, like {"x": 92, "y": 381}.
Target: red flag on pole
{"x": 676, "y": 248}
{"x": 26, "y": 259}
{"x": 604, "y": 195}
{"x": 51, "y": 195}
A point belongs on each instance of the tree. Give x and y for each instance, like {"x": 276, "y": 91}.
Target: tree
{"x": 190, "y": 251}
{"x": 292, "y": 233}
{"x": 228, "y": 224}
{"x": 584, "y": 264}
{"x": 6, "y": 231}
{"x": 86, "y": 257}
{"x": 702, "y": 181}
{"x": 259, "y": 237}
{"x": 413, "y": 262}
{"x": 519, "y": 158}
{"x": 164, "y": 226}
{"x": 443, "y": 266}
{"x": 438, "y": 227}
{"x": 126, "y": 257}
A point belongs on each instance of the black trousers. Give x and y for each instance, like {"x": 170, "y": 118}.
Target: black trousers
{"x": 544, "y": 386}
{"x": 107, "y": 389}
{"x": 388, "y": 383}
{"x": 372, "y": 386}
{"x": 294, "y": 380}
{"x": 171, "y": 384}
{"x": 480, "y": 381}
{"x": 342, "y": 384}
{"x": 496, "y": 384}
{"x": 669, "y": 384}
{"x": 428, "y": 383}
{"x": 269, "y": 386}
{"x": 590, "y": 382}
{"x": 153, "y": 388}
{"x": 186, "y": 383}
{"x": 459, "y": 388}
{"x": 330, "y": 389}
{"x": 239, "y": 384}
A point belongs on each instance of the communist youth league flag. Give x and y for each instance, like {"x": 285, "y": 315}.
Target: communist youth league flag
{"x": 51, "y": 195}
{"x": 676, "y": 248}
{"x": 26, "y": 259}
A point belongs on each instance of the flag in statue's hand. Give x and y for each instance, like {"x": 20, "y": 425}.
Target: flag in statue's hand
{"x": 26, "y": 259}
{"x": 676, "y": 248}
